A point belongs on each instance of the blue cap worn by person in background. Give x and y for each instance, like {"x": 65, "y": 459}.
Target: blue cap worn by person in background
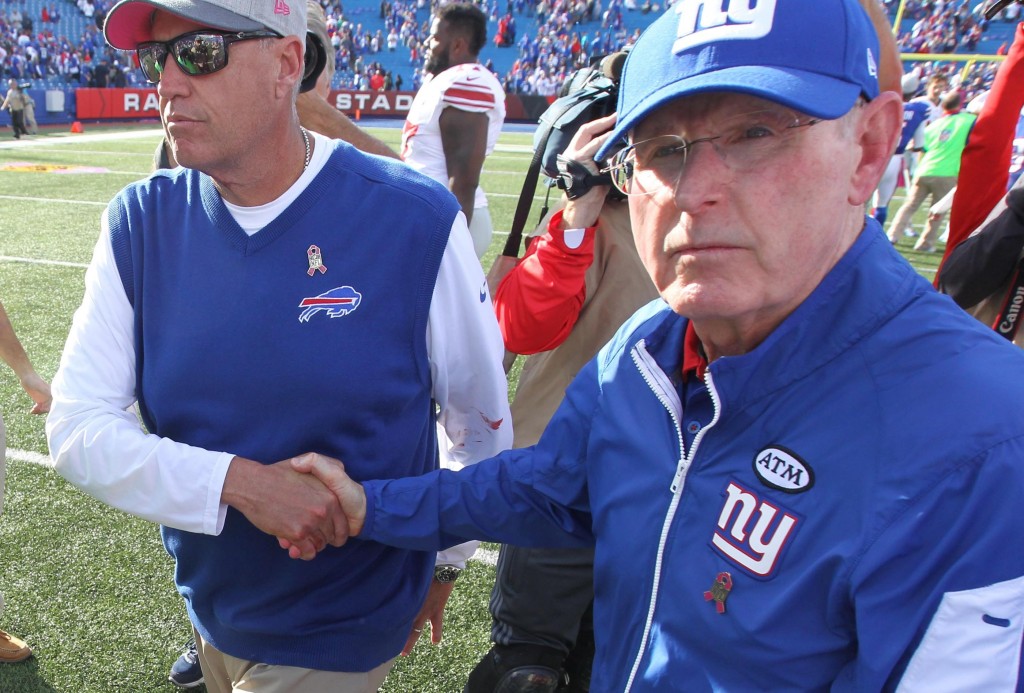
{"x": 815, "y": 56}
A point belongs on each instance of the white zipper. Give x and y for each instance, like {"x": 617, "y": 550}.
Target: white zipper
{"x": 667, "y": 394}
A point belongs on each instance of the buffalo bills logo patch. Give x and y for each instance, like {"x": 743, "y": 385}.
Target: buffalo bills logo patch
{"x": 336, "y": 303}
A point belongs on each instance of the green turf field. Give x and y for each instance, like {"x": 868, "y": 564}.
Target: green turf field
{"x": 91, "y": 588}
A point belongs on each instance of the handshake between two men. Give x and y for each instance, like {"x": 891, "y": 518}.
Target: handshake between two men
{"x": 307, "y": 502}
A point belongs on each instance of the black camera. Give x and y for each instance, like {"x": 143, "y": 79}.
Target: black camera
{"x": 591, "y": 93}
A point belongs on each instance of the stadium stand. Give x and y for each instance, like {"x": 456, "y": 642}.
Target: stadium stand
{"x": 533, "y": 44}
{"x": 56, "y": 43}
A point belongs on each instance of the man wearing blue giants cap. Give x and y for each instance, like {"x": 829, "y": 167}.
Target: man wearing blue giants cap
{"x": 801, "y": 468}
{"x": 252, "y": 326}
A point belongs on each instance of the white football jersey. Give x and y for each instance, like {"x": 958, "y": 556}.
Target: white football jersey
{"x": 470, "y": 87}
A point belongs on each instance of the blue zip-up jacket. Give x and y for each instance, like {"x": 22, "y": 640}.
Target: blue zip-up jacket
{"x": 847, "y": 519}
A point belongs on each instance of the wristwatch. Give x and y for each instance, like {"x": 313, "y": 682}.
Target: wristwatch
{"x": 446, "y": 573}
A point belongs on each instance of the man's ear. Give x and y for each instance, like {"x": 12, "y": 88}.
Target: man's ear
{"x": 459, "y": 49}
{"x": 291, "y": 67}
{"x": 876, "y": 135}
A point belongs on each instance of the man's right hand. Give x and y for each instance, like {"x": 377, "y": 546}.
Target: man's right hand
{"x": 295, "y": 507}
{"x": 583, "y": 212}
{"x": 332, "y": 474}
{"x": 39, "y": 390}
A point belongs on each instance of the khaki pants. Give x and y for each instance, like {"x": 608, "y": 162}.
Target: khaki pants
{"x": 226, "y": 674}
{"x": 937, "y": 187}
{"x": 30, "y": 123}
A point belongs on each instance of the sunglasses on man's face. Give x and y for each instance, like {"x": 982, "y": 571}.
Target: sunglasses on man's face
{"x": 196, "y": 53}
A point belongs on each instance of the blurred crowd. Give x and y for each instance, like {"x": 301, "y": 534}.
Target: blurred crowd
{"x": 940, "y": 26}
{"x": 564, "y": 35}
{"x": 31, "y": 49}
{"x": 568, "y": 33}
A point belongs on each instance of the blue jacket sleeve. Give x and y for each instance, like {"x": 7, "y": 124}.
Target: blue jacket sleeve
{"x": 533, "y": 496}
{"x": 939, "y": 596}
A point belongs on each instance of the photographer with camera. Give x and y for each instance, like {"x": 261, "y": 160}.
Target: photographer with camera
{"x": 578, "y": 281}
{"x": 15, "y": 102}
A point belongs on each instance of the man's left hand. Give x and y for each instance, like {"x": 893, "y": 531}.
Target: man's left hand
{"x": 433, "y": 611}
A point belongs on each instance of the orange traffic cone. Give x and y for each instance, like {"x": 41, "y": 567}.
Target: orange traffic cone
{"x": 357, "y": 114}
{"x": 77, "y": 127}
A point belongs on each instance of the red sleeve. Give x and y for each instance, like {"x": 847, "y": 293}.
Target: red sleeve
{"x": 537, "y": 303}
{"x": 985, "y": 164}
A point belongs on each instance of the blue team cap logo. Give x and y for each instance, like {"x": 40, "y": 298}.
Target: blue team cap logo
{"x": 336, "y": 303}
{"x": 815, "y": 56}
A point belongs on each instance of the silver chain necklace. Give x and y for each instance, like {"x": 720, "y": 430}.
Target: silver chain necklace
{"x": 305, "y": 138}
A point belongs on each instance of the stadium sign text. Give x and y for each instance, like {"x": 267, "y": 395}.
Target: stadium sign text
{"x": 132, "y": 99}
{"x": 380, "y": 103}
{"x": 97, "y": 104}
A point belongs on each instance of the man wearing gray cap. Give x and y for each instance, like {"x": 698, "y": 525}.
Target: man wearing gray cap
{"x": 801, "y": 467}
{"x": 251, "y": 326}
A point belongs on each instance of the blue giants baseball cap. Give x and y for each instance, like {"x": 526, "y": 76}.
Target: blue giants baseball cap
{"x": 815, "y": 56}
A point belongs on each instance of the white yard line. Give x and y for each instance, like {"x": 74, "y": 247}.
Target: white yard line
{"x": 68, "y": 138}
{"x": 488, "y": 556}
{"x": 33, "y": 261}
{"x": 24, "y": 198}
{"x": 29, "y": 456}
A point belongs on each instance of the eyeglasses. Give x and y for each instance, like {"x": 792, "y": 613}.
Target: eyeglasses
{"x": 196, "y": 53}
{"x": 744, "y": 142}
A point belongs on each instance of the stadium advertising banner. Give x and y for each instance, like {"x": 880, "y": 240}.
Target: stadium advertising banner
{"x": 98, "y": 104}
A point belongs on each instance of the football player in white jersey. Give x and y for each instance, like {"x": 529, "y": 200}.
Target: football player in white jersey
{"x": 456, "y": 117}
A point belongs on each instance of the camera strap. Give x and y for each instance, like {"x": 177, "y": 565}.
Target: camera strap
{"x": 994, "y": 7}
{"x": 1008, "y": 320}
{"x": 545, "y": 127}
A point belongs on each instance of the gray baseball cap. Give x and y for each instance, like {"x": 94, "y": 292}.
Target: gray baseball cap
{"x": 130, "y": 22}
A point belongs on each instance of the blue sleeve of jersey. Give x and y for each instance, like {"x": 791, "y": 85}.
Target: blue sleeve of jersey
{"x": 939, "y": 597}
{"x": 533, "y": 496}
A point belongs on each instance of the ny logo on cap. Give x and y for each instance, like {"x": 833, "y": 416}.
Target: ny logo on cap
{"x": 704, "y": 21}
{"x": 281, "y": 7}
